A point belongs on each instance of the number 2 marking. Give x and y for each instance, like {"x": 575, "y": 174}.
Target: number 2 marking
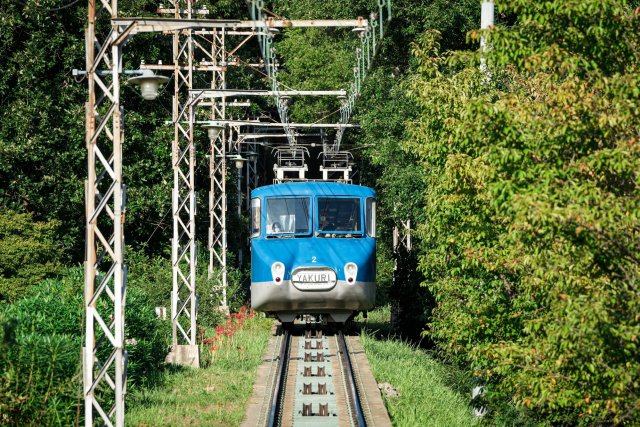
{"x": 314, "y": 259}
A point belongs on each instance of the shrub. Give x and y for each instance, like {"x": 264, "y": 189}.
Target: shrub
{"x": 411, "y": 303}
{"x": 40, "y": 355}
{"x": 153, "y": 276}
{"x": 41, "y": 343}
{"x": 28, "y": 253}
{"x": 209, "y": 299}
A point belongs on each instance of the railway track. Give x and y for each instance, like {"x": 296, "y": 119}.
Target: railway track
{"x": 314, "y": 382}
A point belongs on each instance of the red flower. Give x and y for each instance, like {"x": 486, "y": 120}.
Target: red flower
{"x": 213, "y": 348}
{"x": 243, "y": 309}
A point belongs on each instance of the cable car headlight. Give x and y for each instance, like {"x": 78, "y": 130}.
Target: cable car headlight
{"x": 350, "y": 272}
{"x": 277, "y": 272}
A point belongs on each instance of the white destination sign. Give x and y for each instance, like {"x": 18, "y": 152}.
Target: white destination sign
{"x": 314, "y": 279}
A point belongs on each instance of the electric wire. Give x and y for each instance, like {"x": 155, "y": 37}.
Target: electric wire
{"x": 52, "y": 9}
{"x": 162, "y": 222}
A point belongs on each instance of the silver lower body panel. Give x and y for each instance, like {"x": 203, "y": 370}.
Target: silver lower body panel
{"x": 338, "y": 303}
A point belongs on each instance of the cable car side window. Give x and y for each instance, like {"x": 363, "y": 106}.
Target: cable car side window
{"x": 370, "y": 219}
{"x": 288, "y": 216}
{"x": 255, "y": 217}
{"x": 339, "y": 216}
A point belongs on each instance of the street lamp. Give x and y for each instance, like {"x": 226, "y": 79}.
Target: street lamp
{"x": 285, "y": 100}
{"x": 252, "y": 156}
{"x": 239, "y": 161}
{"x": 359, "y": 31}
{"x": 149, "y": 83}
{"x": 213, "y": 129}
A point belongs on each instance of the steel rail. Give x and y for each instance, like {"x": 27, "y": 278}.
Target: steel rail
{"x": 279, "y": 385}
{"x": 358, "y": 415}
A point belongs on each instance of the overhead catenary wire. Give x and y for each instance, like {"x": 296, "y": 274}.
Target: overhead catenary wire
{"x": 50, "y": 9}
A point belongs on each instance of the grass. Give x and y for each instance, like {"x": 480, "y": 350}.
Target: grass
{"x": 431, "y": 393}
{"x": 215, "y": 395}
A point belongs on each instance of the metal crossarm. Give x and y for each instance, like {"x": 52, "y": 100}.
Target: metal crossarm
{"x": 148, "y": 25}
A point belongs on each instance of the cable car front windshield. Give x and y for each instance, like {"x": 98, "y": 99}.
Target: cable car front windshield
{"x": 288, "y": 217}
{"x": 339, "y": 217}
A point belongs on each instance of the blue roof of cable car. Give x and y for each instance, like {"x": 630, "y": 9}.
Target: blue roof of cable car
{"x": 313, "y": 188}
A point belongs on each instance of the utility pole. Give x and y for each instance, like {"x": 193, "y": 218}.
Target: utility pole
{"x": 486, "y": 22}
{"x": 104, "y": 356}
{"x": 183, "y": 245}
{"x": 218, "y": 170}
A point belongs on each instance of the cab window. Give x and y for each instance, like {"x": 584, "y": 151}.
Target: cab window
{"x": 287, "y": 216}
{"x": 339, "y": 215}
{"x": 255, "y": 217}
{"x": 371, "y": 217}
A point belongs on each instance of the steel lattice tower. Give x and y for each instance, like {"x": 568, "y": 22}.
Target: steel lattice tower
{"x": 104, "y": 356}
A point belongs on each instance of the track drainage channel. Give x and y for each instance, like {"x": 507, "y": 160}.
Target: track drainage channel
{"x": 315, "y": 383}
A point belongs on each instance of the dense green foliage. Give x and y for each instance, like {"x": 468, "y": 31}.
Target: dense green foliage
{"x": 29, "y": 252}
{"x": 41, "y": 113}
{"x": 530, "y": 243}
{"x": 42, "y": 132}
{"x": 528, "y": 219}
{"x": 40, "y": 377}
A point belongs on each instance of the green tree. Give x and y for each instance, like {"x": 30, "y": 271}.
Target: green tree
{"x": 530, "y": 237}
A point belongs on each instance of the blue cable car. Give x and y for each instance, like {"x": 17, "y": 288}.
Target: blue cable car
{"x": 313, "y": 250}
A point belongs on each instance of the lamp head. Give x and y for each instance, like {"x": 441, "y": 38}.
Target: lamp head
{"x": 149, "y": 83}
{"x": 213, "y": 129}
{"x": 285, "y": 99}
{"x": 252, "y": 156}
{"x": 359, "y": 31}
{"x": 239, "y": 161}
